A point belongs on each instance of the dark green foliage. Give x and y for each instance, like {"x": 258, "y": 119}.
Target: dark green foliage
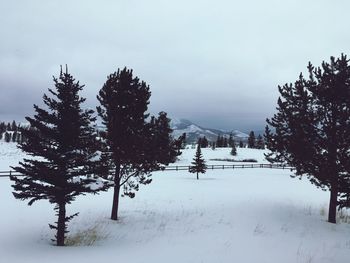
{"x": 312, "y": 129}
{"x": 203, "y": 142}
{"x": 260, "y": 144}
{"x": 221, "y": 141}
{"x": 65, "y": 140}
{"x": 241, "y": 145}
{"x": 184, "y": 142}
{"x": 133, "y": 146}
{"x": 14, "y": 136}
{"x": 233, "y": 150}
{"x": 231, "y": 141}
{"x": 7, "y": 137}
{"x": 198, "y": 164}
{"x": 166, "y": 149}
{"x": 13, "y": 126}
{"x": 251, "y": 140}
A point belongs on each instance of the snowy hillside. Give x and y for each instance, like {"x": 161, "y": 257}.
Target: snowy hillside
{"x": 194, "y": 131}
{"x": 241, "y": 215}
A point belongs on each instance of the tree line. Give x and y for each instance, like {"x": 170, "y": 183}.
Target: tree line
{"x": 224, "y": 141}
{"x": 10, "y": 132}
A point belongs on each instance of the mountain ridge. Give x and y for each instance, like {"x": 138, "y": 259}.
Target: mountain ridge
{"x": 194, "y": 131}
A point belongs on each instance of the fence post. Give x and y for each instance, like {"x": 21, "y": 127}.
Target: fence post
{"x": 10, "y": 172}
{"x": 176, "y": 168}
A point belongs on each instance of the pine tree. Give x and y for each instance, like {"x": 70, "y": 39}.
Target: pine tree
{"x": 241, "y": 144}
{"x": 225, "y": 142}
{"x": 166, "y": 149}
{"x": 251, "y": 140}
{"x": 64, "y": 139}
{"x": 233, "y": 150}
{"x": 184, "y": 142}
{"x": 312, "y": 129}
{"x": 134, "y": 147}
{"x": 260, "y": 144}
{"x": 14, "y": 126}
{"x": 14, "y": 136}
{"x": 198, "y": 164}
{"x": 213, "y": 145}
{"x": 199, "y": 141}
{"x": 231, "y": 140}
{"x": 218, "y": 141}
{"x": 7, "y": 137}
{"x": 204, "y": 142}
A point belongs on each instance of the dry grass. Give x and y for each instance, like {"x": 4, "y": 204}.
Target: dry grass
{"x": 87, "y": 237}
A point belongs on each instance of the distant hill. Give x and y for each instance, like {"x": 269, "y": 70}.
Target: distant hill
{"x": 194, "y": 131}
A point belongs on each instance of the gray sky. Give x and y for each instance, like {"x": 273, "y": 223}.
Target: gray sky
{"x": 217, "y": 63}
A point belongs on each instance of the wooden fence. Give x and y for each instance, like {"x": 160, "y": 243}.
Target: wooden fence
{"x": 187, "y": 167}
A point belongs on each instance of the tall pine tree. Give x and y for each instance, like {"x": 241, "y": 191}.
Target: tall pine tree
{"x": 64, "y": 140}
{"x": 134, "y": 147}
{"x": 312, "y": 129}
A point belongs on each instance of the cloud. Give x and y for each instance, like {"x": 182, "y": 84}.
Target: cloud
{"x": 216, "y": 62}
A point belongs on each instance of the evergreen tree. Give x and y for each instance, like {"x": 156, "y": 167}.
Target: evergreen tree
{"x": 7, "y": 137}
{"x": 64, "y": 139}
{"x": 233, "y": 150}
{"x": 13, "y": 126}
{"x": 251, "y": 140}
{"x": 230, "y": 140}
{"x": 2, "y": 127}
{"x": 204, "y": 142}
{"x": 166, "y": 149}
{"x": 198, "y": 164}
{"x": 14, "y": 136}
{"x": 199, "y": 141}
{"x": 213, "y": 145}
{"x": 134, "y": 147}
{"x": 260, "y": 144}
{"x": 225, "y": 142}
{"x": 241, "y": 145}
{"x": 312, "y": 129}
{"x": 218, "y": 141}
{"x": 184, "y": 142}
{"x": 8, "y": 127}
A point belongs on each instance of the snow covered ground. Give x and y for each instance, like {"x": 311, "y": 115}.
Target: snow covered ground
{"x": 241, "y": 215}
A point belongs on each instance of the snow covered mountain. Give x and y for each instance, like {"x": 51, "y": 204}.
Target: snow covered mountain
{"x": 194, "y": 131}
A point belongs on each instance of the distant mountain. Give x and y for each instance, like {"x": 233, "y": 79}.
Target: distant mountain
{"x": 194, "y": 131}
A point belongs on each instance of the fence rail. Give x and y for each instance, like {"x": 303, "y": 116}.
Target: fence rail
{"x": 187, "y": 167}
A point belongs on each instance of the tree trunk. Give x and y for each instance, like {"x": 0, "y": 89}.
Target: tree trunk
{"x": 333, "y": 202}
{"x": 115, "y": 205}
{"x": 197, "y": 176}
{"x": 61, "y": 224}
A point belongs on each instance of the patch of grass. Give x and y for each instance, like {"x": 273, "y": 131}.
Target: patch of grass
{"x": 323, "y": 211}
{"x": 87, "y": 237}
{"x": 343, "y": 216}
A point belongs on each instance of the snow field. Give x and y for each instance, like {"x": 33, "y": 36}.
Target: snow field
{"x": 241, "y": 215}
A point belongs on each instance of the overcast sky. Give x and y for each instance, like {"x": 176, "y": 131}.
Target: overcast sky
{"x": 217, "y": 63}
